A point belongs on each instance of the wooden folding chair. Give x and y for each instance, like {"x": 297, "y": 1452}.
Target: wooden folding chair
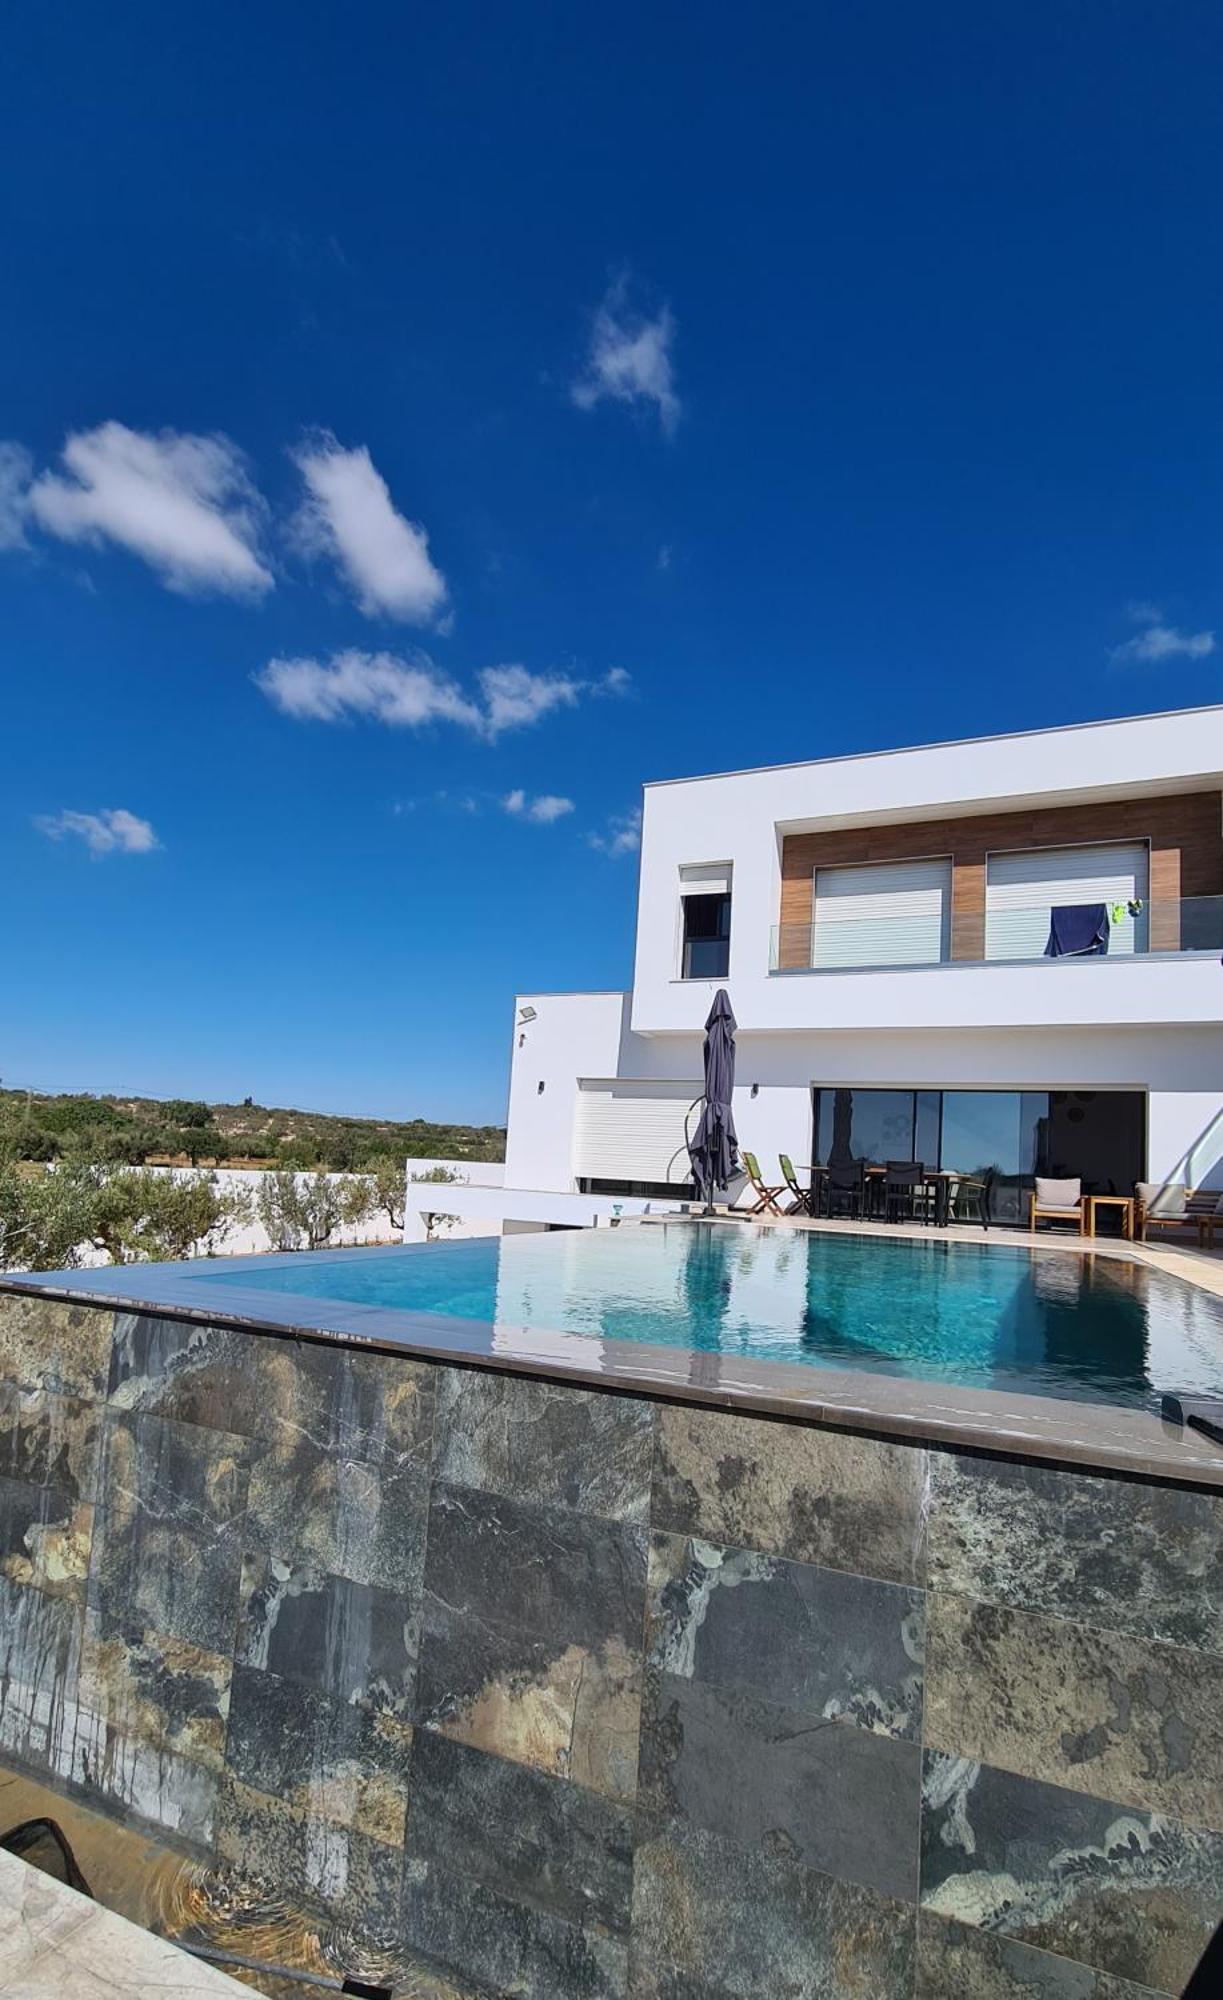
{"x": 801, "y": 1204}
{"x": 766, "y": 1197}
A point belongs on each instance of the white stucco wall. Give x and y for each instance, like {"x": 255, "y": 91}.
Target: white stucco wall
{"x": 572, "y": 1035}
{"x": 1181, "y": 1069}
{"x": 491, "y": 1211}
{"x": 738, "y": 819}
{"x": 424, "y": 1196}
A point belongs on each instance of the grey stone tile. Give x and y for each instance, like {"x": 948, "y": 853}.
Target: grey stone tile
{"x": 175, "y": 1474}
{"x": 345, "y": 1516}
{"x": 40, "y": 1657}
{"x": 61, "y": 1348}
{"x": 48, "y": 1440}
{"x": 1130, "y": 1556}
{"x": 1127, "y": 1719}
{"x": 167, "y": 1544}
{"x": 157, "y": 1690}
{"x": 712, "y": 1921}
{"x": 786, "y": 1489}
{"x": 578, "y": 1448}
{"x": 817, "y": 1641}
{"x": 1132, "y": 1893}
{"x": 45, "y": 1538}
{"x": 531, "y": 1635}
{"x": 506, "y": 1947}
{"x": 131, "y": 1778}
{"x": 346, "y": 1639}
{"x": 370, "y": 1407}
{"x": 537, "y": 1840}
{"x": 954, "y": 1959}
{"x": 315, "y": 1860}
{"x": 321, "y": 1756}
{"x": 835, "y": 1797}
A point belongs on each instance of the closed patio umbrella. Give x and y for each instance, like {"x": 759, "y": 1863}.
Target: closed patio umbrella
{"x": 713, "y": 1147}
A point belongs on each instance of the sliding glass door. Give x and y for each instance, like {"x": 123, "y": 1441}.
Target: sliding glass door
{"x": 995, "y": 1132}
{"x": 1007, "y": 1136}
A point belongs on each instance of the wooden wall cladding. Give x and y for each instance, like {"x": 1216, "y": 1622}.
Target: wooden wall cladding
{"x": 1184, "y": 831}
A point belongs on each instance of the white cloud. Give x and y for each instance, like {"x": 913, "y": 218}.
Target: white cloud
{"x": 184, "y": 504}
{"x": 622, "y": 836}
{"x": 514, "y": 697}
{"x": 616, "y": 681}
{"x": 15, "y": 470}
{"x": 629, "y": 359}
{"x": 666, "y": 556}
{"x": 110, "y": 831}
{"x": 351, "y": 517}
{"x": 544, "y": 810}
{"x": 403, "y": 694}
{"x": 412, "y": 693}
{"x": 1159, "y": 641}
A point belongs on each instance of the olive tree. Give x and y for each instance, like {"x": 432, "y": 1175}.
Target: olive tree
{"x": 139, "y": 1214}
{"x": 306, "y": 1209}
{"x": 387, "y": 1176}
{"x": 46, "y": 1216}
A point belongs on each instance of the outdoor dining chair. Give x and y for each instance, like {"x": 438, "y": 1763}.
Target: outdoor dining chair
{"x": 766, "y": 1197}
{"x": 907, "y": 1195}
{"x": 802, "y": 1203}
{"x": 845, "y": 1190}
{"x": 968, "y": 1198}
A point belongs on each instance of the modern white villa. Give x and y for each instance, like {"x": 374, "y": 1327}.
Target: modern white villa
{"x": 884, "y": 926}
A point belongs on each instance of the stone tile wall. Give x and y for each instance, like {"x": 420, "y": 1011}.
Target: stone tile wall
{"x": 568, "y": 1693}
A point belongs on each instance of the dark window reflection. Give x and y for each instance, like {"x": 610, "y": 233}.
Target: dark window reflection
{"x": 706, "y": 937}
{"x": 868, "y": 1125}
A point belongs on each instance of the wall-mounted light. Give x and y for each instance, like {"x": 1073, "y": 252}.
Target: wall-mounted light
{"x": 526, "y": 1014}
{"x": 755, "y": 1090}
{"x": 522, "y": 1041}
{"x": 539, "y": 1088}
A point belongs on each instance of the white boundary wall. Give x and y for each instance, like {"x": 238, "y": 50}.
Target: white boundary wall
{"x": 442, "y": 1197}
{"x": 493, "y": 1211}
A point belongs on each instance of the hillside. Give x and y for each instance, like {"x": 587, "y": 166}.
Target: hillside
{"x": 139, "y": 1129}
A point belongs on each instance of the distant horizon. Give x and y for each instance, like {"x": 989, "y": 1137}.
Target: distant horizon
{"x": 104, "y": 1092}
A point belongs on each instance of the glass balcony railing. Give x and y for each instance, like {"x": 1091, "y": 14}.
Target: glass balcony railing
{"x": 1003, "y": 935}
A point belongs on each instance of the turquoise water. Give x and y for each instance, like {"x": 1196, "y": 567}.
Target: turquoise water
{"x": 989, "y": 1316}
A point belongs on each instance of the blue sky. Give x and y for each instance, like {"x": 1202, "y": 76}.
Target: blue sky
{"x": 753, "y": 384}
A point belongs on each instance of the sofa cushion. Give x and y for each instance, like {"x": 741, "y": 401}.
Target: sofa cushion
{"x": 1165, "y": 1198}
{"x": 1057, "y": 1194}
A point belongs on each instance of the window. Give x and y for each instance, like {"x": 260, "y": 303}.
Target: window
{"x": 881, "y": 913}
{"x": 1023, "y": 888}
{"x": 704, "y": 901}
{"x": 706, "y": 937}
{"x": 639, "y": 1190}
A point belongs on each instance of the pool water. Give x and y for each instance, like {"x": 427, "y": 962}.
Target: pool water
{"x": 994, "y": 1315}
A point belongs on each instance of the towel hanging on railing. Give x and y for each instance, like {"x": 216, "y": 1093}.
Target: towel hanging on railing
{"x": 1078, "y": 930}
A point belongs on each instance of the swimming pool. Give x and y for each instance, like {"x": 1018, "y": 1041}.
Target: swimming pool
{"x": 1050, "y": 1322}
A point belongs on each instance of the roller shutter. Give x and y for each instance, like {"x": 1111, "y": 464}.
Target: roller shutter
{"x": 630, "y": 1130}
{"x": 882, "y": 913}
{"x": 1022, "y": 889}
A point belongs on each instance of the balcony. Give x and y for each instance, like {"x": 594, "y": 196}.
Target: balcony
{"x": 1015, "y": 936}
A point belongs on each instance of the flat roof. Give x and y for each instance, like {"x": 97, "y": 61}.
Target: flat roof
{"x": 939, "y": 743}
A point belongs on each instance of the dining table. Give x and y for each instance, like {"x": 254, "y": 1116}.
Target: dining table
{"x": 938, "y": 1180}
